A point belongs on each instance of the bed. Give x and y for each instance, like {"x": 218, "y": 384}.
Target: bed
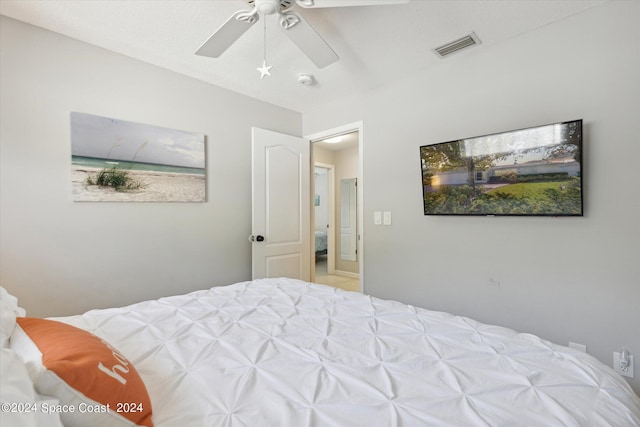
{"x": 321, "y": 243}
{"x": 282, "y": 352}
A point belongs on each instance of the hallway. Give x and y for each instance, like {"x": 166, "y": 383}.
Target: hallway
{"x": 342, "y": 282}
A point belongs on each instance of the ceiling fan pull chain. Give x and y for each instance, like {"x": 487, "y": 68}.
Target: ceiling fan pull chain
{"x": 265, "y": 70}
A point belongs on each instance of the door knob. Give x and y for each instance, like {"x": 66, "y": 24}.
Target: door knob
{"x": 257, "y": 238}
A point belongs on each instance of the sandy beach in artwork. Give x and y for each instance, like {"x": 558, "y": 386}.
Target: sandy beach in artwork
{"x": 159, "y": 187}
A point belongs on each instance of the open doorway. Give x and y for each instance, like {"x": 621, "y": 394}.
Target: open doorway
{"x": 336, "y": 206}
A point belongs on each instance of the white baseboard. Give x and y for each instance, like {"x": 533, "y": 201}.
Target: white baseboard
{"x": 346, "y": 274}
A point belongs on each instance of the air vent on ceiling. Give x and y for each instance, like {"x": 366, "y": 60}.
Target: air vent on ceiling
{"x": 457, "y": 45}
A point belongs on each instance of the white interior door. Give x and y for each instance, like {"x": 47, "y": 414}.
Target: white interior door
{"x": 281, "y": 206}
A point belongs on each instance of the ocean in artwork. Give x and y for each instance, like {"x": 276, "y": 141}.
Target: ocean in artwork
{"x": 94, "y": 162}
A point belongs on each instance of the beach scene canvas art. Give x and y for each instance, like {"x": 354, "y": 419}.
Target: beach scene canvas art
{"x": 118, "y": 161}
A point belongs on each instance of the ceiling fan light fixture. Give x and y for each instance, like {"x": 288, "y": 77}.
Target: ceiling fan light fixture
{"x": 299, "y": 31}
{"x": 267, "y": 7}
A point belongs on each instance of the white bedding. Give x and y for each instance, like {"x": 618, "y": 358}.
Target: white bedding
{"x": 281, "y": 352}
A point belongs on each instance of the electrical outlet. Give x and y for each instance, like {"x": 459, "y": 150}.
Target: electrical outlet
{"x": 617, "y": 365}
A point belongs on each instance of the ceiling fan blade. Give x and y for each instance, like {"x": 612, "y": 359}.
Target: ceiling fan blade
{"x": 346, "y": 3}
{"x": 309, "y": 41}
{"x": 226, "y": 35}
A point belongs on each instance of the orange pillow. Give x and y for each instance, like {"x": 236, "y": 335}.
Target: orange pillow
{"x": 94, "y": 382}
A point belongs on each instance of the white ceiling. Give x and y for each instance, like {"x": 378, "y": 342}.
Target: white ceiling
{"x": 376, "y": 44}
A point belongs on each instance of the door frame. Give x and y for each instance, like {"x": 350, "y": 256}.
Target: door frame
{"x": 357, "y": 126}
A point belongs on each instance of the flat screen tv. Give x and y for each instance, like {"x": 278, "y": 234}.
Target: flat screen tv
{"x": 527, "y": 172}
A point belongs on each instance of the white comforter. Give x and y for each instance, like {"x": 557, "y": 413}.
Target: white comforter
{"x": 280, "y": 352}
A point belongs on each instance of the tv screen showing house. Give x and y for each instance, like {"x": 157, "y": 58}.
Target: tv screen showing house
{"x": 532, "y": 172}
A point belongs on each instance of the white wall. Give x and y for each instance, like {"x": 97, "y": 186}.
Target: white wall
{"x": 61, "y": 257}
{"x": 565, "y": 279}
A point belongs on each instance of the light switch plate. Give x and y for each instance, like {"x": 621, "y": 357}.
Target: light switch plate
{"x": 377, "y": 218}
{"x": 386, "y": 218}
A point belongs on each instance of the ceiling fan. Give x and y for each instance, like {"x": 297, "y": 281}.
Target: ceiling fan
{"x": 292, "y": 23}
